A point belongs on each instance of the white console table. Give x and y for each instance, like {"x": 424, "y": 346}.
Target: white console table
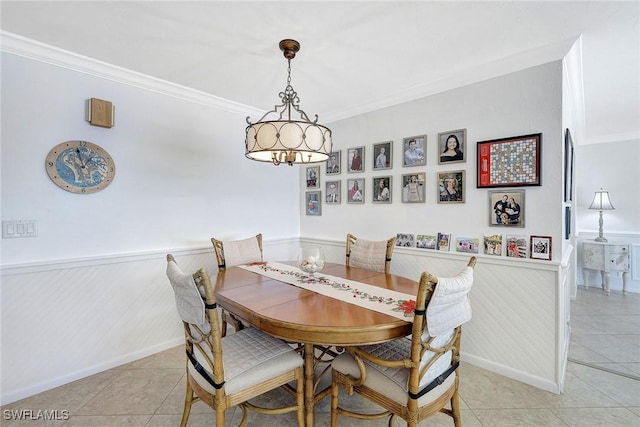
{"x": 606, "y": 257}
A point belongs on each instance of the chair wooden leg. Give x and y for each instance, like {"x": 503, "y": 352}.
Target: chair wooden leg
{"x": 455, "y": 408}
{"x": 335, "y": 389}
{"x": 300, "y": 399}
{"x": 188, "y": 401}
{"x": 220, "y": 413}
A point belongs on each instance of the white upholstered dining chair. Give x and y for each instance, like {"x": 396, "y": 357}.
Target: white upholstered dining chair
{"x": 229, "y": 371}
{"x": 412, "y": 377}
{"x": 230, "y": 253}
{"x": 369, "y": 254}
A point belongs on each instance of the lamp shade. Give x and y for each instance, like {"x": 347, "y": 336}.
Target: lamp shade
{"x": 269, "y": 141}
{"x": 601, "y": 201}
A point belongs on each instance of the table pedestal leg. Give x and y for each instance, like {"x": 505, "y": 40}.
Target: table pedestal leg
{"x": 309, "y": 375}
{"x": 625, "y": 279}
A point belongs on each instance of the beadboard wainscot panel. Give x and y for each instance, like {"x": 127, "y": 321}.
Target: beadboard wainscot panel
{"x": 516, "y": 329}
{"x": 65, "y": 320}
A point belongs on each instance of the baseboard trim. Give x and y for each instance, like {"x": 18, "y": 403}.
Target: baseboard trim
{"x": 59, "y": 381}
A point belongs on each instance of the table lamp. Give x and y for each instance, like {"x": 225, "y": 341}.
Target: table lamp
{"x": 601, "y": 203}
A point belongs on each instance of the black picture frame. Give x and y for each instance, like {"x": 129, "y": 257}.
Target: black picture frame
{"x": 510, "y": 162}
{"x": 568, "y": 166}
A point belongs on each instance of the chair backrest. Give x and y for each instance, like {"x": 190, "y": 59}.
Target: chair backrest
{"x": 196, "y": 303}
{"x": 372, "y": 255}
{"x": 437, "y": 354}
{"x": 235, "y": 252}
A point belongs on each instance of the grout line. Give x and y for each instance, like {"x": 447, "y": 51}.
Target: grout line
{"x": 601, "y": 368}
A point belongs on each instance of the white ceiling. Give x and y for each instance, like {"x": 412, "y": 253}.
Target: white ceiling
{"x": 356, "y": 56}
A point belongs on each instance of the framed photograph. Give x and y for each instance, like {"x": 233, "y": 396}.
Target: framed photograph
{"x": 452, "y": 146}
{"x": 382, "y": 155}
{"x": 313, "y": 177}
{"x": 467, "y": 244}
{"x": 382, "y": 189}
{"x": 414, "y": 150}
{"x": 333, "y": 163}
{"x": 413, "y": 187}
{"x": 492, "y": 244}
{"x": 313, "y": 204}
{"x": 568, "y": 166}
{"x": 509, "y": 162}
{"x": 451, "y": 187}
{"x": 541, "y": 247}
{"x": 506, "y": 208}
{"x": 567, "y": 222}
{"x": 517, "y": 246}
{"x": 332, "y": 192}
{"x": 443, "y": 241}
{"x": 355, "y": 190}
{"x": 405, "y": 240}
{"x": 427, "y": 241}
{"x": 355, "y": 159}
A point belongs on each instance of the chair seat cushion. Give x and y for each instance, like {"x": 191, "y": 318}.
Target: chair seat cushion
{"x": 393, "y": 382}
{"x": 249, "y": 357}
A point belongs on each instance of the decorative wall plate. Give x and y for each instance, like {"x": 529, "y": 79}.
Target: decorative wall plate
{"x": 80, "y": 167}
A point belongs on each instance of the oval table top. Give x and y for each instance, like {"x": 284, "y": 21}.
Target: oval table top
{"x": 295, "y": 314}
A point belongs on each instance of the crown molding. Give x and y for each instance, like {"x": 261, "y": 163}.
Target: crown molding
{"x": 32, "y": 49}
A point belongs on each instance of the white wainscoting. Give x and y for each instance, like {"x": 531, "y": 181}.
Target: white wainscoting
{"x": 520, "y": 325}
{"x": 65, "y": 320}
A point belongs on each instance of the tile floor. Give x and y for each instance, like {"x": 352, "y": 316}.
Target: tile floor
{"x": 150, "y": 391}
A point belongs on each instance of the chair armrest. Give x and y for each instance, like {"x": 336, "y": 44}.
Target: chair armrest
{"x": 389, "y": 363}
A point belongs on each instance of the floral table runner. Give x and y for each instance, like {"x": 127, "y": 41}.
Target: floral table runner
{"x": 393, "y": 303}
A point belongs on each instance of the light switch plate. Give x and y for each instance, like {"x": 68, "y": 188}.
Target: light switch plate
{"x": 16, "y": 229}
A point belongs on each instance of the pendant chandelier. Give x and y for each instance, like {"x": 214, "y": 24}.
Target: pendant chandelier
{"x": 279, "y": 138}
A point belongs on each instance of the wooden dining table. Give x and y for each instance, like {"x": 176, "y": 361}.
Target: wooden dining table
{"x": 303, "y": 316}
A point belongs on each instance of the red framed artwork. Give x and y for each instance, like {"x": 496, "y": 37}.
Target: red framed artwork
{"x": 509, "y": 162}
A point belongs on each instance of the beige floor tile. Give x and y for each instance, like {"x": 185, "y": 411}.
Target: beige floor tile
{"x": 195, "y": 420}
{"x": 625, "y": 391}
{"x": 482, "y": 389}
{"x": 174, "y": 403}
{"x": 70, "y": 397}
{"x": 172, "y": 358}
{"x": 437, "y": 420}
{"x": 108, "y": 421}
{"x": 532, "y": 417}
{"x": 26, "y": 419}
{"x": 134, "y": 391}
{"x": 606, "y": 417}
{"x": 578, "y": 394}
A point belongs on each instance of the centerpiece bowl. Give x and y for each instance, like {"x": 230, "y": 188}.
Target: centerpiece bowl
{"x": 311, "y": 260}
